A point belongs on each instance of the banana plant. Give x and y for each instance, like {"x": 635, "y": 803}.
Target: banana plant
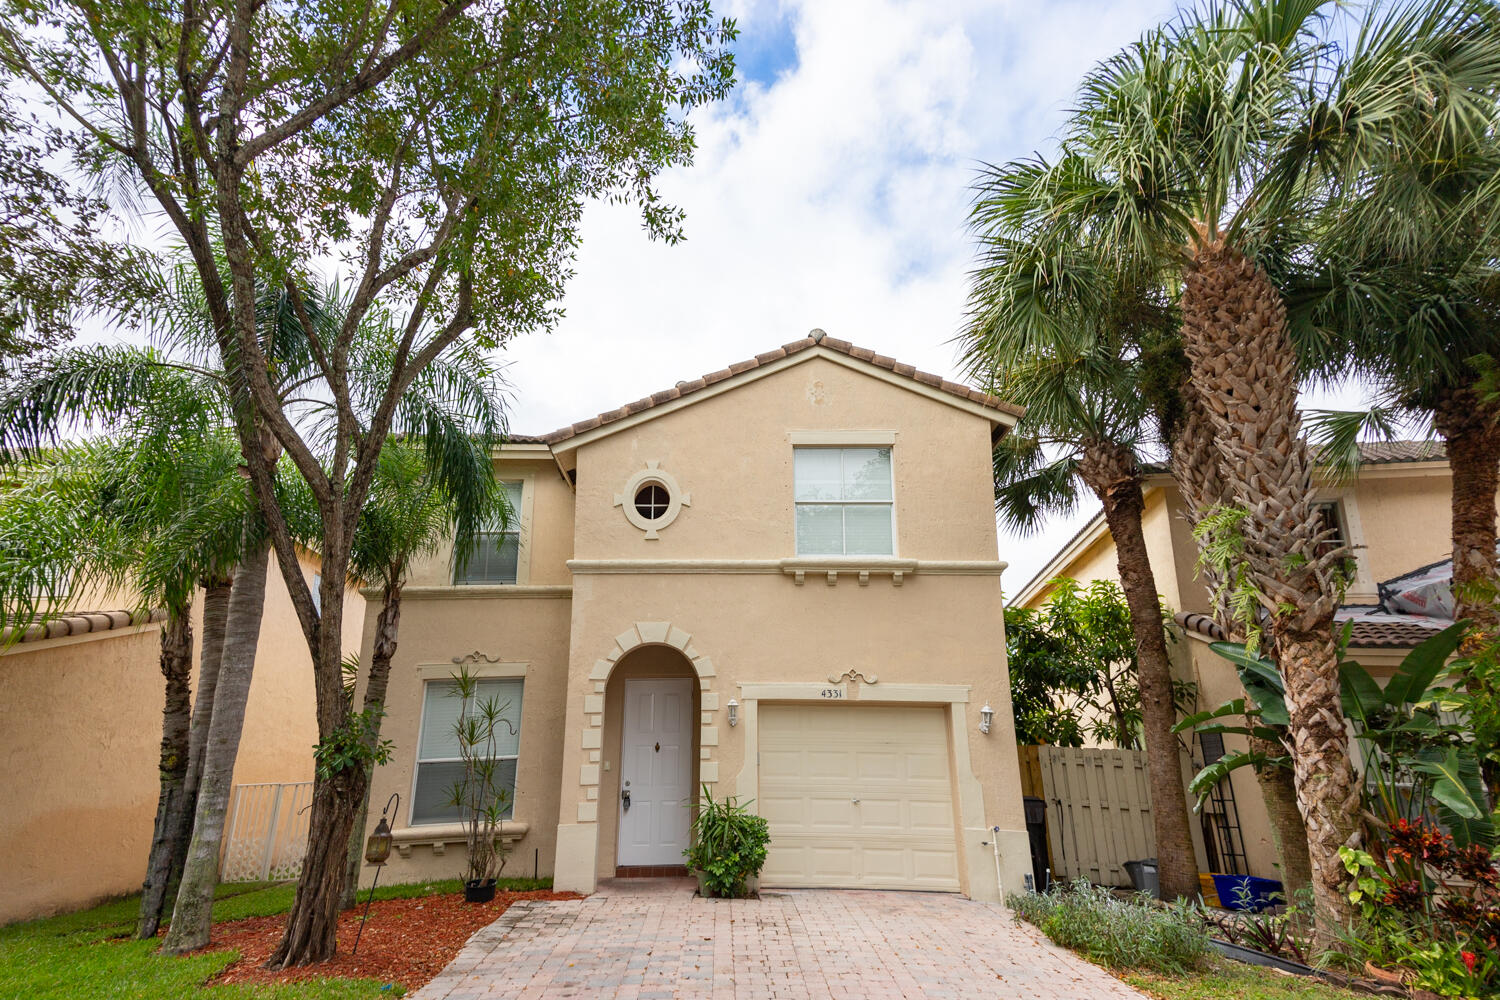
{"x": 1415, "y": 762}
{"x": 1263, "y": 711}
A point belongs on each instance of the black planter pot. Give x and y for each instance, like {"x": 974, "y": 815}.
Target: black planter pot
{"x": 479, "y": 891}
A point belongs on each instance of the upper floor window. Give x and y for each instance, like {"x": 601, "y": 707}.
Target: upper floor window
{"x": 844, "y": 499}
{"x": 1330, "y": 515}
{"x": 496, "y": 554}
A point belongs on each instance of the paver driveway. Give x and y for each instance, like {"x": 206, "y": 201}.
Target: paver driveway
{"x": 644, "y": 938}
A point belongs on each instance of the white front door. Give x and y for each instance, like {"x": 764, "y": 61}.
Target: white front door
{"x": 656, "y": 761}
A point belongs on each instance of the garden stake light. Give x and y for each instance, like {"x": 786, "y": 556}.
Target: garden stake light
{"x": 377, "y": 851}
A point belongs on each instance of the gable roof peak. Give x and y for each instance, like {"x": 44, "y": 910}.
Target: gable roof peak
{"x": 816, "y": 338}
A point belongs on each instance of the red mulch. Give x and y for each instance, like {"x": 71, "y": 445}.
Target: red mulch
{"x": 407, "y": 941}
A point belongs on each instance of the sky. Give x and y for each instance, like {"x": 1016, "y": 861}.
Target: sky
{"x": 830, "y": 191}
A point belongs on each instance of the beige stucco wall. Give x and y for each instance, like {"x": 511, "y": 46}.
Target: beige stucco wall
{"x": 514, "y": 636}
{"x": 710, "y": 591}
{"x": 80, "y": 732}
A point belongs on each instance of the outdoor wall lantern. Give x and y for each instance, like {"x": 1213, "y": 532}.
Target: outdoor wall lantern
{"x": 377, "y": 853}
{"x": 986, "y": 718}
{"x": 734, "y": 713}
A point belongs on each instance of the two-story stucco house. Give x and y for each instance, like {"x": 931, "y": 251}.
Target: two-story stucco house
{"x": 778, "y": 582}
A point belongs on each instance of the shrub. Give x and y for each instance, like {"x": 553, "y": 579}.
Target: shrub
{"x": 729, "y": 845}
{"x": 1132, "y": 932}
{"x": 1429, "y": 906}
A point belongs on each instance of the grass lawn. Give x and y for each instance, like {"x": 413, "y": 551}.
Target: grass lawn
{"x": 90, "y": 954}
{"x": 1226, "y": 980}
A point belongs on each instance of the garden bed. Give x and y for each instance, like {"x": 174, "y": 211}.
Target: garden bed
{"x": 407, "y": 942}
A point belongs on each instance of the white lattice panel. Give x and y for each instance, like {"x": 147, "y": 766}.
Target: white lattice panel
{"x": 267, "y": 832}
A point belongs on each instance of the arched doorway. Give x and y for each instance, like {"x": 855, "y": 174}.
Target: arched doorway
{"x": 650, "y": 763}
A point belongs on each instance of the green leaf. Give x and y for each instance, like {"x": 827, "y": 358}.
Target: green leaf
{"x": 1204, "y": 781}
{"x": 1422, "y": 665}
{"x": 1452, "y": 785}
{"x": 1361, "y": 696}
{"x": 1235, "y": 707}
{"x": 1260, "y": 679}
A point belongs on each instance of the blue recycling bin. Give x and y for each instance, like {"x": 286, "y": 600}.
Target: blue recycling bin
{"x": 1247, "y": 892}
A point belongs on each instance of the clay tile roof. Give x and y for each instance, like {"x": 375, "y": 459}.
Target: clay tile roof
{"x": 81, "y": 623}
{"x": 816, "y": 339}
{"x": 1383, "y": 452}
{"x": 1370, "y": 453}
{"x": 1379, "y": 630}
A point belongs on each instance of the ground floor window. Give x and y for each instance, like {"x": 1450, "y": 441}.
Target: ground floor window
{"x": 440, "y": 766}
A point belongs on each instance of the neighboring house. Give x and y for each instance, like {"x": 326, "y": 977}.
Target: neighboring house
{"x": 80, "y": 741}
{"x": 777, "y": 582}
{"x": 1395, "y": 515}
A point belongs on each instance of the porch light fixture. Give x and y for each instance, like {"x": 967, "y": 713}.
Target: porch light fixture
{"x": 986, "y": 718}
{"x": 734, "y": 713}
{"x": 377, "y": 853}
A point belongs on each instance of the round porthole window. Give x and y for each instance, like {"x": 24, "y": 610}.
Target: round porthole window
{"x": 651, "y": 499}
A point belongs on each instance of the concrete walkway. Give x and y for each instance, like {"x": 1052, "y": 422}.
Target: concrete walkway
{"x": 653, "y": 938}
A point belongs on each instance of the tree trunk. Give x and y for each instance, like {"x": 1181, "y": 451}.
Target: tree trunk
{"x": 311, "y": 926}
{"x": 1471, "y": 433}
{"x": 313, "y": 922}
{"x": 176, "y": 667}
{"x": 1278, "y": 787}
{"x": 192, "y": 917}
{"x": 1195, "y": 467}
{"x": 1110, "y": 471}
{"x": 1234, "y": 333}
{"x": 210, "y": 661}
{"x": 387, "y": 626}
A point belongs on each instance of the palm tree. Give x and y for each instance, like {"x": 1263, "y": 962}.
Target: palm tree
{"x": 1402, "y": 279}
{"x": 1053, "y": 330}
{"x": 154, "y": 514}
{"x": 171, "y": 397}
{"x": 1187, "y": 156}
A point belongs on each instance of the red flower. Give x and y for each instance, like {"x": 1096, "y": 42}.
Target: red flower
{"x": 1469, "y": 960}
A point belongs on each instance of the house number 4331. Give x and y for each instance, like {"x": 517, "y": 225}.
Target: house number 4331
{"x": 833, "y": 692}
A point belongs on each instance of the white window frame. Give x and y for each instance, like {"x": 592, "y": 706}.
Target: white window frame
{"x": 417, "y": 760}
{"x": 519, "y": 516}
{"x": 861, "y": 443}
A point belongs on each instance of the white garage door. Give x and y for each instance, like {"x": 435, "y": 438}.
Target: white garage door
{"x": 857, "y": 796}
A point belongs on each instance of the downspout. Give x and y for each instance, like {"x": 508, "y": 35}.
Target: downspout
{"x": 995, "y": 847}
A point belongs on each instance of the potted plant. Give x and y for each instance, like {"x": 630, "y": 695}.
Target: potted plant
{"x": 480, "y": 796}
{"x": 728, "y": 849}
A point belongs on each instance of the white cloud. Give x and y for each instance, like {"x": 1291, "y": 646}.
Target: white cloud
{"x": 833, "y": 197}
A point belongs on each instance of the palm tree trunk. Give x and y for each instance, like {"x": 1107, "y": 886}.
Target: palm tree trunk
{"x": 1470, "y": 427}
{"x": 1234, "y": 333}
{"x": 176, "y": 667}
{"x": 1111, "y": 472}
{"x": 192, "y": 916}
{"x": 210, "y": 660}
{"x": 1195, "y": 467}
{"x": 387, "y": 626}
{"x": 1278, "y": 788}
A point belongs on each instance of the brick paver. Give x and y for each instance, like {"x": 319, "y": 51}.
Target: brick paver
{"x": 653, "y": 939}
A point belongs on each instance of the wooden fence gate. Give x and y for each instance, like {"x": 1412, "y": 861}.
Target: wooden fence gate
{"x": 266, "y": 837}
{"x": 1098, "y": 810}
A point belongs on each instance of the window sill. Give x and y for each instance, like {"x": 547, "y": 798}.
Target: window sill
{"x": 860, "y": 568}
{"x": 439, "y": 835}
